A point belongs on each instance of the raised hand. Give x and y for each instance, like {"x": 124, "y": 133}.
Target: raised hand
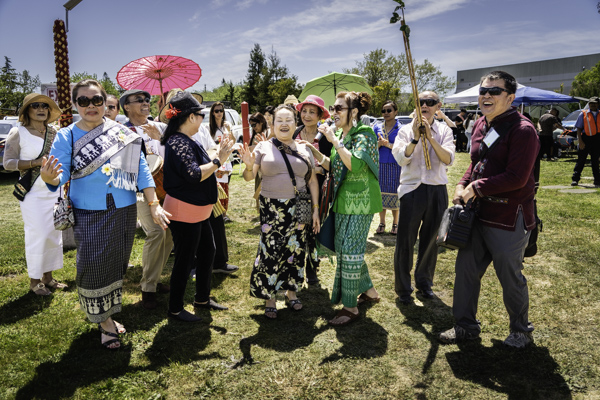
{"x": 50, "y": 171}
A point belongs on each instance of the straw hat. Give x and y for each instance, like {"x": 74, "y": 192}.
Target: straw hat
{"x": 291, "y": 99}
{"x": 40, "y": 98}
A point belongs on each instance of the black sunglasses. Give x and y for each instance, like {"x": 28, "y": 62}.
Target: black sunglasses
{"x": 199, "y": 114}
{"x": 140, "y": 100}
{"x": 220, "y": 110}
{"x": 44, "y": 106}
{"x": 428, "y": 102}
{"x": 111, "y": 107}
{"x": 387, "y": 110}
{"x": 85, "y": 101}
{"x": 337, "y": 108}
{"x": 493, "y": 91}
{"x": 253, "y": 124}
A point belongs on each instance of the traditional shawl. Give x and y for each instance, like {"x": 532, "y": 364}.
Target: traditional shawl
{"x": 109, "y": 141}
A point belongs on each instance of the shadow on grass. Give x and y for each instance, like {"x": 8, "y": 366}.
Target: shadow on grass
{"x": 87, "y": 362}
{"x": 527, "y": 374}
{"x": 27, "y": 305}
{"x": 292, "y": 329}
{"x": 435, "y": 313}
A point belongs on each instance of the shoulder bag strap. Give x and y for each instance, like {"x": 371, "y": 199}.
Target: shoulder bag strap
{"x": 279, "y": 146}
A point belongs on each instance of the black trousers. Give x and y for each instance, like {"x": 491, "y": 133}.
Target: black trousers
{"x": 421, "y": 213}
{"x": 194, "y": 248}
{"x": 546, "y": 147}
{"x": 221, "y": 251}
{"x": 592, "y": 147}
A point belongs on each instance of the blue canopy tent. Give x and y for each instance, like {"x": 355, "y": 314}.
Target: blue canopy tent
{"x": 526, "y": 96}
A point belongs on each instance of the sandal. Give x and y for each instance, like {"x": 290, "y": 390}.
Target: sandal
{"x": 365, "y": 298}
{"x": 107, "y": 344}
{"x": 40, "y": 289}
{"x": 269, "y": 310}
{"x": 343, "y": 313}
{"x": 54, "y": 284}
{"x": 293, "y": 303}
{"x": 394, "y": 230}
{"x": 380, "y": 229}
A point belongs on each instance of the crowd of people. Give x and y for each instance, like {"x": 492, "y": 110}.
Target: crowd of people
{"x": 320, "y": 174}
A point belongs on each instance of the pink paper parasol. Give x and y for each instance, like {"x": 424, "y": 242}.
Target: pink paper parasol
{"x": 159, "y": 74}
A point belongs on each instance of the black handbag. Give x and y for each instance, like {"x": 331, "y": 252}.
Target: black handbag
{"x": 23, "y": 185}
{"x": 303, "y": 214}
{"x": 455, "y": 230}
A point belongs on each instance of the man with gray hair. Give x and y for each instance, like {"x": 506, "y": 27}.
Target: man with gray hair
{"x": 423, "y": 197}
{"x": 504, "y": 148}
{"x": 159, "y": 243}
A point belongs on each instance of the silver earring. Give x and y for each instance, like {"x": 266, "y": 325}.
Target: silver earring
{"x": 354, "y": 123}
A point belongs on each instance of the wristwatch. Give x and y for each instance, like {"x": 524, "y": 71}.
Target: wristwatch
{"x": 217, "y": 162}
{"x": 414, "y": 141}
{"x": 340, "y": 146}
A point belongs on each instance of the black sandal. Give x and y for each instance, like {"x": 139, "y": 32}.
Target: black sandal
{"x": 271, "y": 310}
{"x": 293, "y": 303}
{"x": 107, "y": 344}
{"x": 380, "y": 229}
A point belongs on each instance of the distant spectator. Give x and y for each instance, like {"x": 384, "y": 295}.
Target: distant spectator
{"x": 459, "y": 131}
{"x": 546, "y": 125}
{"x": 589, "y": 142}
{"x": 112, "y": 107}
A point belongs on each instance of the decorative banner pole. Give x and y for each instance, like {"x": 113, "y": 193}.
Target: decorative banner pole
{"x": 63, "y": 80}
{"x": 413, "y": 79}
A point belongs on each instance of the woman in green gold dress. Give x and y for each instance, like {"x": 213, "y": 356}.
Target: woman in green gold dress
{"x": 354, "y": 162}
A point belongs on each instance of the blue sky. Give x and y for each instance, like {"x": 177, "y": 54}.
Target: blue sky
{"x": 311, "y": 37}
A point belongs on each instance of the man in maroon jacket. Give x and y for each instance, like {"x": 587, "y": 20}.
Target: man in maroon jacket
{"x": 500, "y": 178}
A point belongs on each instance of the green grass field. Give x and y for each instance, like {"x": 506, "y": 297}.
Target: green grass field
{"x": 48, "y": 350}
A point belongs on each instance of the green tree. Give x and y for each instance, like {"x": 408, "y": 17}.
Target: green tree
{"x": 587, "y": 83}
{"x": 253, "y": 77}
{"x": 389, "y": 75}
{"x": 28, "y": 83}
{"x": 10, "y": 97}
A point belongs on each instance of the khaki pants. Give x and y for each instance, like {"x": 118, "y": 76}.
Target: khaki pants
{"x": 157, "y": 248}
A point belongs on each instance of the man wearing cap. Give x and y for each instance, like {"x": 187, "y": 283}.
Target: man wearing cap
{"x": 500, "y": 179}
{"x": 159, "y": 243}
{"x": 589, "y": 142}
{"x": 423, "y": 197}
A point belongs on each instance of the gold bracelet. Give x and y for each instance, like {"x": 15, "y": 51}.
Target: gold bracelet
{"x": 30, "y": 165}
{"x": 153, "y": 203}
{"x": 315, "y": 206}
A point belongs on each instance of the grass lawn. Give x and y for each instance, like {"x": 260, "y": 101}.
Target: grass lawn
{"x": 48, "y": 350}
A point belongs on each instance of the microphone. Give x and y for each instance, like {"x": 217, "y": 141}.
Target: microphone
{"x": 319, "y": 136}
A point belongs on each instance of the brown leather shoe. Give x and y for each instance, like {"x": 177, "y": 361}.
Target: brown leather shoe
{"x": 149, "y": 300}
{"x": 162, "y": 288}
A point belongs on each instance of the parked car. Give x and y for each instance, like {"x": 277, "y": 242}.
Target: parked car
{"x": 568, "y": 122}
{"x": 234, "y": 120}
{"x": 5, "y": 127}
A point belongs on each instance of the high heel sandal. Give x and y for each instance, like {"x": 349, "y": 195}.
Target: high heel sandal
{"x": 394, "y": 230}
{"x": 380, "y": 229}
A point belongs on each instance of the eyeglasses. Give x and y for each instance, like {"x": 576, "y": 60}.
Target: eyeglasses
{"x": 493, "y": 91}
{"x": 44, "y": 106}
{"x": 199, "y": 114}
{"x": 85, "y": 101}
{"x": 337, "y": 108}
{"x": 220, "y": 110}
{"x": 428, "y": 102}
{"x": 387, "y": 110}
{"x": 140, "y": 100}
{"x": 111, "y": 107}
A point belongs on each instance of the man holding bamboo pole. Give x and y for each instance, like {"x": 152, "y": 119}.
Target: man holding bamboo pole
{"x": 423, "y": 195}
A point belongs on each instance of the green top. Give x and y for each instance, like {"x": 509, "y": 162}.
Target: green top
{"x": 359, "y": 192}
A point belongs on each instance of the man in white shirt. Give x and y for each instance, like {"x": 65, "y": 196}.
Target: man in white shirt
{"x": 423, "y": 197}
{"x": 159, "y": 243}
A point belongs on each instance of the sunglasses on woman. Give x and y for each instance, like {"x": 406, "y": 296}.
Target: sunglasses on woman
{"x": 337, "y": 108}
{"x": 85, "y": 101}
{"x": 493, "y": 91}
{"x": 111, "y": 107}
{"x": 387, "y": 110}
{"x": 44, "y": 106}
{"x": 428, "y": 102}
{"x": 220, "y": 110}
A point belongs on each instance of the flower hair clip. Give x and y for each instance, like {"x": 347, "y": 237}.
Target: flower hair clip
{"x": 171, "y": 112}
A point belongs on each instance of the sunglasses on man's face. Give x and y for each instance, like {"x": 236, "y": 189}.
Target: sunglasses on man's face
{"x": 428, "y": 102}
{"x": 387, "y": 110}
{"x": 111, "y": 108}
{"x": 85, "y": 101}
{"x": 337, "y": 108}
{"x": 493, "y": 91}
{"x": 44, "y": 106}
{"x": 140, "y": 100}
